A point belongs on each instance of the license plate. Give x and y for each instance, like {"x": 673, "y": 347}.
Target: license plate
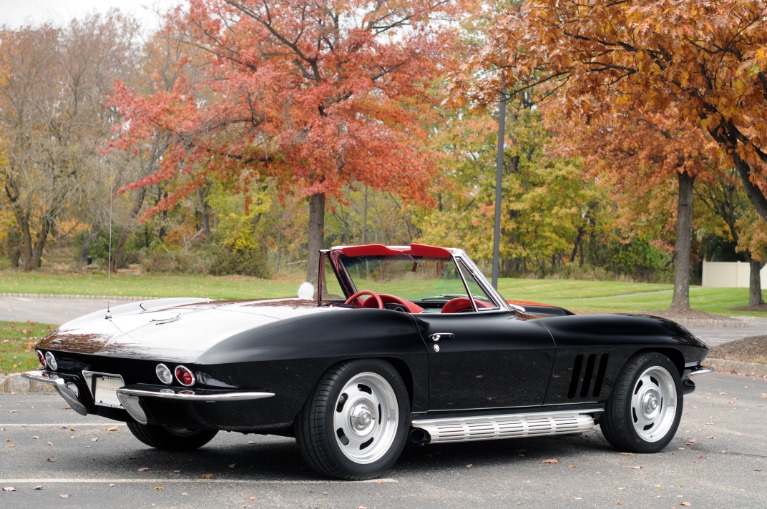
{"x": 105, "y": 390}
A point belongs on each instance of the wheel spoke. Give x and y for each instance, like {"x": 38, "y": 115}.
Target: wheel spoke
{"x": 653, "y": 403}
{"x": 365, "y": 418}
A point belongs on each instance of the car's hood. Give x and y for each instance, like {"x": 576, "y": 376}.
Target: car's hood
{"x": 172, "y": 329}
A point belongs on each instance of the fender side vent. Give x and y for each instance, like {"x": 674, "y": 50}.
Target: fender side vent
{"x": 588, "y": 376}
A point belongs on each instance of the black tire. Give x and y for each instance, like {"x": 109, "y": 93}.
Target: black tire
{"x": 341, "y": 432}
{"x": 171, "y": 439}
{"x": 643, "y": 413}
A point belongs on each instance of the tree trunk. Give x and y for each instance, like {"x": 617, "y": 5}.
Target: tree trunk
{"x": 755, "y": 284}
{"x": 681, "y": 300}
{"x": 316, "y": 235}
{"x": 36, "y": 261}
{"x": 122, "y": 239}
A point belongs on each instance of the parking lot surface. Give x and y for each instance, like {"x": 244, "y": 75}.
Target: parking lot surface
{"x": 52, "y": 457}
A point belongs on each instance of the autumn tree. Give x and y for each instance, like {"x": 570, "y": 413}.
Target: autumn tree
{"x": 315, "y": 95}
{"x": 638, "y": 151}
{"x": 549, "y": 211}
{"x": 53, "y": 119}
{"x": 706, "y": 59}
{"x": 735, "y": 220}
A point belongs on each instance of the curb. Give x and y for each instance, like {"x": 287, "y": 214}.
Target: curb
{"x": 738, "y": 368}
{"x": 16, "y": 384}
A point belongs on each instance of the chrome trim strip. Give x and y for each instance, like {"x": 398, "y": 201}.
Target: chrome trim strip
{"x": 493, "y": 427}
{"x": 43, "y": 377}
{"x": 70, "y": 394}
{"x": 703, "y": 370}
{"x": 188, "y": 395}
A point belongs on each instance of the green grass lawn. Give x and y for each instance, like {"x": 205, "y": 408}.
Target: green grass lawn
{"x": 580, "y": 296}
{"x": 147, "y": 285}
{"x": 17, "y": 341}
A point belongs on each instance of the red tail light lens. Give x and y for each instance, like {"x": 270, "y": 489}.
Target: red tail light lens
{"x": 41, "y": 358}
{"x": 184, "y": 376}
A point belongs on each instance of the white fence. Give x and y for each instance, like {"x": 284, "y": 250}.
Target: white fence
{"x": 729, "y": 274}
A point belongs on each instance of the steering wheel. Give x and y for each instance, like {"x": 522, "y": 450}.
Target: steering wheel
{"x": 372, "y": 294}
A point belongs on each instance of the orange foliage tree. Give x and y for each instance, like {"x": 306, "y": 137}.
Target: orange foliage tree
{"x": 314, "y": 95}
{"x": 701, "y": 65}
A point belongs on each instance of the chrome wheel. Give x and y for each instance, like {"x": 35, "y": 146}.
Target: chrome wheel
{"x": 365, "y": 418}
{"x": 355, "y": 424}
{"x": 653, "y": 404}
{"x": 643, "y": 412}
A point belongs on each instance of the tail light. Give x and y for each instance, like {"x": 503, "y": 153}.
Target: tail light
{"x": 164, "y": 374}
{"x": 50, "y": 360}
{"x": 184, "y": 376}
{"x": 41, "y": 358}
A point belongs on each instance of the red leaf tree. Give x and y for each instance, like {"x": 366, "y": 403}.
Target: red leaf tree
{"x": 692, "y": 67}
{"x": 316, "y": 95}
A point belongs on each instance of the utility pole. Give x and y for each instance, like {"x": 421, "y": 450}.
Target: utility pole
{"x": 498, "y": 184}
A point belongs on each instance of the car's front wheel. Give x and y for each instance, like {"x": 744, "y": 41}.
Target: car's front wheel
{"x": 644, "y": 410}
{"x": 171, "y": 438}
{"x": 355, "y": 424}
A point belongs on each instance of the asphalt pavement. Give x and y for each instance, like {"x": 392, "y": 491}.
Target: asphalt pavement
{"x": 55, "y": 458}
{"x": 52, "y": 457}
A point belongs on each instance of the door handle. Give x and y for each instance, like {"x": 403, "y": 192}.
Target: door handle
{"x": 440, "y": 335}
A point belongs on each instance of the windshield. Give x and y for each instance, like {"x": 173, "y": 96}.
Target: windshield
{"x": 428, "y": 282}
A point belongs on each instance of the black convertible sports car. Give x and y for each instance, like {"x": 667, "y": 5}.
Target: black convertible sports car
{"x": 394, "y": 344}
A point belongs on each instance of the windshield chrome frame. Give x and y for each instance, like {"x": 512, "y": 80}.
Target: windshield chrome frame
{"x": 466, "y": 264}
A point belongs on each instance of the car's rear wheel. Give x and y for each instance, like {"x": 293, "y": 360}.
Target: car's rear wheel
{"x": 355, "y": 424}
{"x": 171, "y": 438}
{"x": 644, "y": 410}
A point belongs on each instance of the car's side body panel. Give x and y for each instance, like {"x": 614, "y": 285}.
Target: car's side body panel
{"x": 592, "y": 349}
{"x": 486, "y": 360}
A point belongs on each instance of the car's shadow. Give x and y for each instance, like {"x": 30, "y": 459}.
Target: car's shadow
{"x": 254, "y": 458}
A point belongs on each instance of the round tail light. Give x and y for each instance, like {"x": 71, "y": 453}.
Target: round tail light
{"x": 41, "y": 358}
{"x": 50, "y": 360}
{"x": 184, "y": 376}
{"x": 164, "y": 374}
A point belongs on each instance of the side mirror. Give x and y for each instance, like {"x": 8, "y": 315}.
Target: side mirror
{"x": 306, "y": 291}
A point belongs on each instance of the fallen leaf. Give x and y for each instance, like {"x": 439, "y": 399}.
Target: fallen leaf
{"x": 95, "y": 439}
{"x": 9, "y": 488}
{"x": 627, "y": 454}
{"x": 233, "y": 465}
{"x": 571, "y": 466}
{"x": 37, "y": 488}
{"x": 635, "y": 467}
{"x": 208, "y": 476}
{"x": 142, "y": 469}
{"x": 550, "y": 461}
{"x": 686, "y": 504}
{"x": 764, "y": 394}
{"x": 469, "y": 465}
{"x": 701, "y": 457}
{"x": 110, "y": 428}
{"x": 159, "y": 488}
{"x": 51, "y": 460}
{"x": 64, "y": 495}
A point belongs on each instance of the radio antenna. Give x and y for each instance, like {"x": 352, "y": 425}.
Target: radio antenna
{"x": 109, "y": 255}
